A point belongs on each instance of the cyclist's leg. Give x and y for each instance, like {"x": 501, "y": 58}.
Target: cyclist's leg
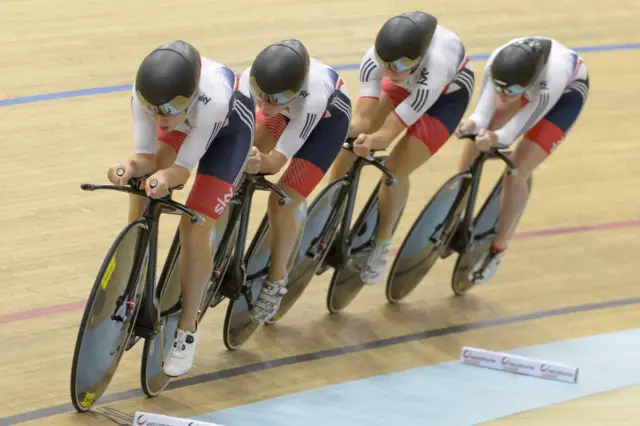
{"x": 219, "y": 172}
{"x": 345, "y": 158}
{"x": 535, "y": 147}
{"x": 269, "y": 128}
{"x": 421, "y": 142}
{"x": 303, "y": 174}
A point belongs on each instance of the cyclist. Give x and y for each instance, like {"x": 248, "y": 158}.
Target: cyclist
{"x": 426, "y": 81}
{"x": 302, "y": 119}
{"x": 188, "y": 110}
{"x": 533, "y": 87}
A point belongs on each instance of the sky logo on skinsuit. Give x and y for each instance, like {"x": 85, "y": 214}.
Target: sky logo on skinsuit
{"x": 222, "y": 203}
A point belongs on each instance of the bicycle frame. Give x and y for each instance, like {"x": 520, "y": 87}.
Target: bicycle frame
{"x": 349, "y": 191}
{"x": 148, "y": 316}
{"x": 471, "y": 185}
{"x": 149, "y": 311}
{"x": 236, "y": 271}
{"x": 242, "y": 201}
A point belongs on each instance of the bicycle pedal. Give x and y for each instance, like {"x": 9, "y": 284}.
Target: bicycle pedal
{"x": 251, "y": 282}
{"x": 358, "y": 264}
{"x": 478, "y": 275}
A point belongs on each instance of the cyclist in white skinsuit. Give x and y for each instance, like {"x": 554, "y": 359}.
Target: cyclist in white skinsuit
{"x": 188, "y": 110}
{"x": 534, "y": 88}
{"x": 303, "y": 119}
{"x": 416, "y": 77}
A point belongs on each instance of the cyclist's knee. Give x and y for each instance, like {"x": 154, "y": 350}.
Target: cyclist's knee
{"x": 409, "y": 154}
{"x": 527, "y": 157}
{"x": 274, "y": 207}
{"x": 192, "y": 233}
{"x": 341, "y": 164}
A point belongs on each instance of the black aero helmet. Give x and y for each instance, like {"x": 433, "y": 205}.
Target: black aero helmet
{"x": 279, "y": 71}
{"x": 518, "y": 65}
{"x": 167, "y": 79}
{"x": 404, "y": 39}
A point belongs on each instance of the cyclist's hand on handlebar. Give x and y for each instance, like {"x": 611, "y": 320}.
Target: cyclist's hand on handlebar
{"x": 157, "y": 185}
{"x": 253, "y": 162}
{"x": 466, "y": 127}
{"x": 486, "y": 139}
{"x": 362, "y": 145}
{"x": 120, "y": 173}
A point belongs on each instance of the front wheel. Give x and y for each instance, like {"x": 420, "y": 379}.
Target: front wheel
{"x": 485, "y": 226}
{"x": 238, "y": 326}
{"x": 221, "y": 260}
{"x": 460, "y": 279}
{"x": 428, "y": 236}
{"x": 157, "y": 346}
{"x": 346, "y": 282}
{"x": 108, "y": 319}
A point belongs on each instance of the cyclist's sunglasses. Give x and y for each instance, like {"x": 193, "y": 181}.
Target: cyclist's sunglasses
{"x": 511, "y": 90}
{"x": 172, "y": 108}
{"x": 399, "y": 65}
{"x": 281, "y": 98}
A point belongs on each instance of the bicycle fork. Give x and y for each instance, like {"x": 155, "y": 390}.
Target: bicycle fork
{"x": 340, "y": 256}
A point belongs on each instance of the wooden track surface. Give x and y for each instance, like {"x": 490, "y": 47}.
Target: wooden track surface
{"x": 55, "y": 236}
